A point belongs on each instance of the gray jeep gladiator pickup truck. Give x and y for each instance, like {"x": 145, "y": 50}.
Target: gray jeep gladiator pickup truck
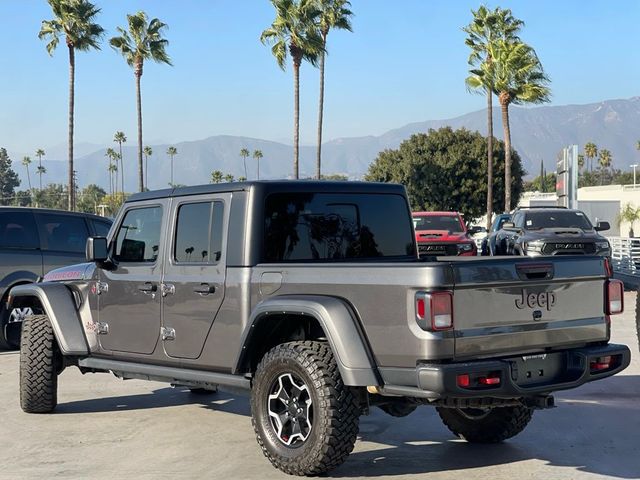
{"x": 311, "y": 296}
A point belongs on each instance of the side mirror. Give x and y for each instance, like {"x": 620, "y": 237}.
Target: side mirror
{"x": 96, "y": 249}
{"x": 602, "y": 226}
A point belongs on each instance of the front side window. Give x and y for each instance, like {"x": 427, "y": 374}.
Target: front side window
{"x": 333, "y": 227}
{"x": 138, "y": 238}
{"x": 199, "y": 233}
{"x": 63, "y": 233}
{"x": 18, "y": 230}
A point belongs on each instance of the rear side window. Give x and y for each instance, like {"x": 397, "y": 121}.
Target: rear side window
{"x": 63, "y": 233}
{"x": 333, "y": 227}
{"x": 18, "y": 230}
{"x": 101, "y": 228}
{"x": 138, "y": 238}
{"x": 199, "y": 233}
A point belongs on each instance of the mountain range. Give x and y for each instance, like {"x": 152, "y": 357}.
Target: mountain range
{"x": 538, "y": 133}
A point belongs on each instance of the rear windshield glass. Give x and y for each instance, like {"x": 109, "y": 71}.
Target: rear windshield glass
{"x": 438, "y": 222}
{"x": 556, "y": 219}
{"x": 332, "y": 227}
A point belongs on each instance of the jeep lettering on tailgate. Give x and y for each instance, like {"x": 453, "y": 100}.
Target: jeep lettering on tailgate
{"x": 536, "y": 300}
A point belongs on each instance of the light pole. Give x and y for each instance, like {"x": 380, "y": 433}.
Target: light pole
{"x": 634, "y": 174}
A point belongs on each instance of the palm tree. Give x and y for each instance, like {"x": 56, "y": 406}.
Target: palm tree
{"x": 40, "y": 153}
{"x": 517, "y": 77}
{"x": 485, "y": 29}
{"x": 142, "y": 42}
{"x": 172, "y": 151}
{"x": 257, "y": 154}
{"x": 294, "y": 32}
{"x": 26, "y": 161}
{"x": 120, "y": 138}
{"x": 73, "y": 19}
{"x": 112, "y": 155}
{"x": 113, "y": 172}
{"x": 604, "y": 160}
{"x": 333, "y": 14}
{"x": 217, "y": 176}
{"x": 40, "y": 170}
{"x": 244, "y": 153}
{"x": 590, "y": 152}
{"x": 228, "y": 178}
{"x": 148, "y": 151}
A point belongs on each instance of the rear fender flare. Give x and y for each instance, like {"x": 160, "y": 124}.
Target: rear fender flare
{"x": 342, "y": 329}
{"x": 59, "y": 305}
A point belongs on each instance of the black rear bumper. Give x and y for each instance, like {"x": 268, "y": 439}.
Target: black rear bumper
{"x": 522, "y": 376}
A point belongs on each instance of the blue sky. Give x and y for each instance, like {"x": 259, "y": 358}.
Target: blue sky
{"x": 405, "y": 62}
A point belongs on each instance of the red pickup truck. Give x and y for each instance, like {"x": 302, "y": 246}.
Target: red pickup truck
{"x": 443, "y": 233}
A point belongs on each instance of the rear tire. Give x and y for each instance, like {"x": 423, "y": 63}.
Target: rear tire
{"x": 492, "y": 425}
{"x": 305, "y": 418}
{"x": 40, "y": 361}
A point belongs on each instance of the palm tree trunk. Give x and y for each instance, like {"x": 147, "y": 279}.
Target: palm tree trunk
{"x": 146, "y": 170}
{"x": 489, "y": 157}
{"x": 507, "y": 154}
{"x": 29, "y": 178}
{"x": 171, "y": 171}
{"x": 72, "y": 69}
{"x": 321, "y": 108}
{"x": 296, "y": 116}
{"x": 121, "y": 170}
{"x": 244, "y": 162}
{"x": 258, "y": 169}
{"x": 138, "y": 74}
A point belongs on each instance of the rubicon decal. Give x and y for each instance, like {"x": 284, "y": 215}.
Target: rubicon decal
{"x": 544, "y": 300}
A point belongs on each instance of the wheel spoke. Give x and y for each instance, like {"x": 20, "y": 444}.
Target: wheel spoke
{"x": 290, "y": 409}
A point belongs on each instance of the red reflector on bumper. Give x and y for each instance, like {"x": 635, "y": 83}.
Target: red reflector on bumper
{"x": 463, "y": 380}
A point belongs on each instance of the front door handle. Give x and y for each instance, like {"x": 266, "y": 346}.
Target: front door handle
{"x": 148, "y": 287}
{"x": 204, "y": 289}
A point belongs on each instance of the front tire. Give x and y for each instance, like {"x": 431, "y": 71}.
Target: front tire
{"x": 40, "y": 361}
{"x": 305, "y": 418}
{"x": 492, "y": 425}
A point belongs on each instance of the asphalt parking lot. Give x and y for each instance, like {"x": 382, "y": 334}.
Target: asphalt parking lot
{"x": 108, "y": 428}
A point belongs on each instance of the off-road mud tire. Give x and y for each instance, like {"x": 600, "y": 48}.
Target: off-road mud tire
{"x": 40, "y": 361}
{"x": 335, "y": 409}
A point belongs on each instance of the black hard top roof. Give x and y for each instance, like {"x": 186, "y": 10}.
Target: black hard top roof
{"x": 269, "y": 186}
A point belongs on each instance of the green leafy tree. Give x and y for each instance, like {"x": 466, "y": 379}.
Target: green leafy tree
{"x": 23, "y": 198}
{"x": 518, "y": 78}
{"x": 590, "y": 152}
{"x": 487, "y": 28}
{"x": 294, "y": 32}
{"x": 580, "y": 161}
{"x": 257, "y": 155}
{"x": 629, "y": 215}
{"x": 74, "y": 20}
{"x": 217, "y": 176}
{"x": 244, "y": 153}
{"x": 40, "y": 170}
{"x": 443, "y": 169}
{"x": 9, "y": 180}
{"x": 26, "y": 161}
{"x": 335, "y": 176}
{"x": 120, "y": 138}
{"x": 90, "y": 197}
{"x": 172, "y": 152}
{"x": 544, "y": 183}
{"x": 242, "y": 179}
{"x": 334, "y": 14}
{"x": 143, "y": 41}
{"x": 148, "y": 151}
{"x": 604, "y": 160}
{"x": 53, "y": 195}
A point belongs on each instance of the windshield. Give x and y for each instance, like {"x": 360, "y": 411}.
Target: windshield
{"x": 438, "y": 222}
{"x": 557, "y": 219}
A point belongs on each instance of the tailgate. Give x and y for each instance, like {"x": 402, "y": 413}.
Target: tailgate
{"x": 519, "y": 305}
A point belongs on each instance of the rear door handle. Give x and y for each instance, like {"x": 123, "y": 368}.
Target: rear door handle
{"x": 204, "y": 289}
{"x": 148, "y": 287}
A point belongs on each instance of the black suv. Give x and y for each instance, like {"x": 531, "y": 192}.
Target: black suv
{"x": 551, "y": 231}
{"x": 32, "y": 242}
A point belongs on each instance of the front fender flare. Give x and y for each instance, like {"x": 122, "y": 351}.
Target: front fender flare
{"x": 343, "y": 331}
{"x": 59, "y": 305}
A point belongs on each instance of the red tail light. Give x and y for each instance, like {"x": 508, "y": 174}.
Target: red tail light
{"x": 600, "y": 363}
{"x": 608, "y": 269}
{"x": 614, "y": 301}
{"x": 434, "y": 311}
